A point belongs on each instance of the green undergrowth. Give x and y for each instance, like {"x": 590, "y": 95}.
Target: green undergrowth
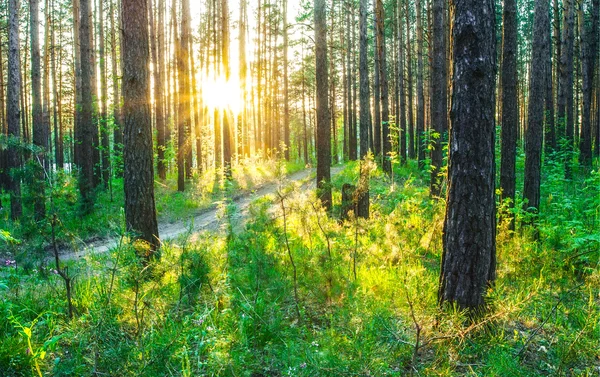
{"x": 106, "y": 220}
{"x": 363, "y": 301}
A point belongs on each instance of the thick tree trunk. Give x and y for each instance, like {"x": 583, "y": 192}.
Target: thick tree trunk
{"x": 534, "y": 131}
{"x": 509, "y": 101}
{"x": 140, "y": 212}
{"x": 323, "y": 117}
{"x": 469, "y": 255}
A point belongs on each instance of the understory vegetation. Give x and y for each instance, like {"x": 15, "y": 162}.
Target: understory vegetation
{"x": 295, "y": 292}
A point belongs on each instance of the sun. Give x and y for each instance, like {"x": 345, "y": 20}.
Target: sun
{"x": 218, "y": 93}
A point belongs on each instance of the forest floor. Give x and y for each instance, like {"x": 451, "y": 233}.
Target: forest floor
{"x": 207, "y": 219}
{"x": 273, "y": 285}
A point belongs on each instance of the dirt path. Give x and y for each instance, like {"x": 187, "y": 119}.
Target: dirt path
{"x": 208, "y": 219}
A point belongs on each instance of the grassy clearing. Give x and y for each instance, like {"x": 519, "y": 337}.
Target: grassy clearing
{"x": 225, "y": 304}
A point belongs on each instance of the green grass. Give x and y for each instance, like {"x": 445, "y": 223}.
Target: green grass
{"x": 223, "y": 304}
{"x": 107, "y": 218}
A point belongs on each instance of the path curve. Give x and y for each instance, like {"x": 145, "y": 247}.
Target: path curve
{"x": 207, "y": 219}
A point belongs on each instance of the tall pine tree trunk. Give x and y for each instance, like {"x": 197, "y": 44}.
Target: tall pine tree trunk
{"x": 87, "y": 126}
{"x": 589, "y": 48}
{"x": 323, "y": 117}
{"x": 13, "y": 111}
{"x": 39, "y": 133}
{"x": 385, "y": 105}
{"x": 439, "y": 96}
{"x": 140, "y": 211}
{"x": 469, "y": 242}
{"x": 509, "y": 101}
{"x": 534, "y": 132}
{"x": 104, "y": 129}
{"x": 420, "y": 92}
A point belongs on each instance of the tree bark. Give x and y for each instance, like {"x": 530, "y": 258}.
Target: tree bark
{"x": 439, "y": 96}
{"x": 117, "y": 119}
{"x": 385, "y": 104}
{"x": 286, "y": 94}
{"x": 159, "y": 114}
{"x": 104, "y": 129}
{"x": 87, "y": 126}
{"x": 40, "y": 136}
{"x": 140, "y": 212}
{"x": 469, "y": 243}
{"x": 589, "y": 48}
{"x": 322, "y": 106}
{"x": 534, "y": 132}
{"x": 409, "y": 87}
{"x": 509, "y": 101}
{"x": 420, "y": 92}
{"x": 13, "y": 111}
{"x": 565, "y": 98}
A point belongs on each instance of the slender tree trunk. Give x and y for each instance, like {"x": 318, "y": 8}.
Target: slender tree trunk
{"x": 565, "y": 98}
{"x": 104, "y": 129}
{"x": 589, "y": 48}
{"x": 117, "y": 120}
{"x": 509, "y": 101}
{"x": 187, "y": 42}
{"x": 323, "y": 117}
{"x": 439, "y": 96}
{"x": 227, "y": 116}
{"x": 87, "y": 126}
{"x": 549, "y": 126}
{"x": 376, "y": 137}
{"x": 420, "y": 92}
{"x": 158, "y": 93}
{"x": 244, "y": 124}
{"x": 39, "y": 133}
{"x": 409, "y": 87}
{"x": 56, "y": 83}
{"x": 13, "y": 111}
{"x": 385, "y": 110}
{"x": 184, "y": 112}
{"x": 365, "y": 112}
{"x": 95, "y": 129}
{"x": 469, "y": 242}
{"x": 198, "y": 121}
{"x": 286, "y": 94}
{"x": 402, "y": 137}
{"x": 534, "y": 131}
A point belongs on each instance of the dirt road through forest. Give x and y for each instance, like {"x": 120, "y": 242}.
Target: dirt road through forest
{"x": 207, "y": 219}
